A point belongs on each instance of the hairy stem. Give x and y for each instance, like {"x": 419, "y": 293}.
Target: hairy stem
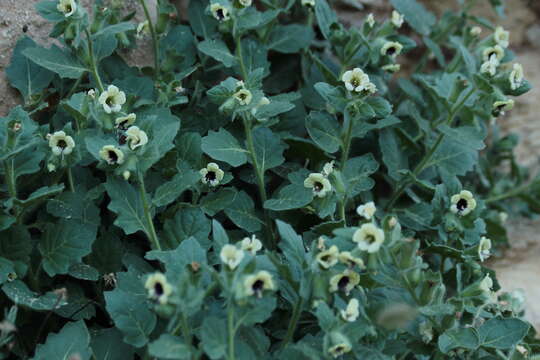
{"x": 231, "y": 332}
{"x": 297, "y": 311}
{"x": 93, "y": 64}
{"x": 423, "y": 164}
{"x": 155, "y": 41}
{"x": 70, "y": 180}
{"x": 151, "y": 233}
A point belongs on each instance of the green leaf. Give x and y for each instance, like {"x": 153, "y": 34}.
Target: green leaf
{"x": 6, "y": 268}
{"x": 107, "y": 344}
{"x": 131, "y": 316}
{"x": 57, "y": 60}
{"x": 24, "y": 74}
{"x": 127, "y": 204}
{"x": 176, "y": 261}
{"x": 189, "y": 148}
{"x": 218, "y": 50}
{"x": 74, "y": 206}
{"x": 416, "y": 15}
{"x": 333, "y": 95}
{"x": 187, "y": 222}
{"x": 242, "y": 213}
{"x": 268, "y": 148}
{"x": 218, "y": 200}
{"x": 290, "y": 39}
{"x": 171, "y": 190}
{"x": 21, "y": 295}
{"x": 392, "y": 154}
{"x": 16, "y": 244}
{"x": 356, "y": 174}
{"x": 326, "y": 17}
{"x": 293, "y": 196}
{"x": 71, "y": 341}
{"x": 83, "y": 272}
{"x": 169, "y": 347}
{"x": 214, "y": 337}
{"x": 323, "y": 128}
{"x": 502, "y": 333}
{"x": 291, "y": 243}
{"x": 219, "y": 235}
{"x": 64, "y": 244}
{"x": 202, "y": 24}
{"x": 115, "y": 29}
{"x": 222, "y": 146}
{"x": 466, "y": 338}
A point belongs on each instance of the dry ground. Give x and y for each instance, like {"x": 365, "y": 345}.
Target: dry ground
{"x": 520, "y": 267}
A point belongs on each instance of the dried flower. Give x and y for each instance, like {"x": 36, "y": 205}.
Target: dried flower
{"x": 211, "y": 174}
{"x": 484, "y": 248}
{"x": 328, "y": 168}
{"x": 463, "y": 203}
{"x": 516, "y": 76}
{"x": 369, "y": 238}
{"x": 476, "y": 31}
{"x": 370, "y": 20}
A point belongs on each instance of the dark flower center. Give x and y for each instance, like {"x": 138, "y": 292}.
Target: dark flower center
{"x": 61, "y": 143}
{"x": 339, "y": 349}
{"x": 158, "y": 289}
{"x": 318, "y": 186}
{"x": 370, "y": 239}
{"x": 210, "y": 176}
{"x": 109, "y": 101}
{"x": 490, "y": 54}
{"x": 113, "y": 156}
{"x": 122, "y": 139}
{"x": 343, "y": 282}
{"x": 355, "y": 81}
{"x": 461, "y": 204}
{"x": 220, "y": 14}
{"x": 391, "y": 50}
{"x": 258, "y": 286}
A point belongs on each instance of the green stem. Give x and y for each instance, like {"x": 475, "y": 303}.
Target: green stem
{"x": 231, "y": 332}
{"x": 297, "y": 311}
{"x": 259, "y": 173}
{"x": 93, "y": 65}
{"x": 70, "y": 180}
{"x": 154, "y": 37}
{"x": 346, "y": 144}
{"x": 240, "y": 57}
{"x": 422, "y": 165}
{"x": 151, "y": 233}
{"x": 515, "y": 192}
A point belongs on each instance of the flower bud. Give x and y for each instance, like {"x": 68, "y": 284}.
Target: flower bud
{"x": 126, "y": 174}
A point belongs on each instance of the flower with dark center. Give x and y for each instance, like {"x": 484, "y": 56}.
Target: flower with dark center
{"x": 500, "y": 107}
{"x": 124, "y": 122}
{"x": 231, "y": 256}
{"x": 257, "y": 283}
{"x": 347, "y": 258}
{"x": 462, "y": 203}
{"x": 366, "y": 210}
{"x": 308, "y": 3}
{"x": 136, "y": 137}
{"x": 243, "y": 96}
{"x": 220, "y": 12}
{"x": 158, "y": 288}
{"x": 391, "y": 48}
{"x": 358, "y": 81}
{"x": 319, "y": 183}
{"x": 211, "y": 174}
{"x": 484, "y": 248}
{"x": 502, "y": 37}
{"x": 345, "y": 281}
{"x": 328, "y": 258}
{"x": 516, "y": 76}
{"x": 60, "y": 143}
{"x": 251, "y": 245}
{"x": 67, "y": 7}
{"x": 112, "y": 99}
{"x": 369, "y": 238}
{"x": 112, "y": 155}
{"x": 340, "y": 345}
{"x": 496, "y": 51}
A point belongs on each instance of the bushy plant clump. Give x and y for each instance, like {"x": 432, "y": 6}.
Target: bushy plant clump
{"x": 275, "y": 186}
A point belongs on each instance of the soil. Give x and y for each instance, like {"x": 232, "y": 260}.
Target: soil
{"x": 519, "y": 267}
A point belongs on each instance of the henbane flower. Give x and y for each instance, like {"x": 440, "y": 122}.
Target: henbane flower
{"x": 308, "y": 3}
{"x": 67, "y": 7}
{"x": 370, "y": 20}
{"x": 328, "y": 168}
{"x": 490, "y": 66}
{"x": 328, "y": 258}
{"x": 251, "y": 245}
{"x": 358, "y": 81}
{"x": 347, "y": 258}
{"x": 257, "y": 283}
{"x": 319, "y": 183}
{"x": 211, "y": 174}
{"x": 158, "y": 288}
{"x": 136, "y": 137}
{"x": 463, "y": 203}
{"x": 367, "y": 210}
{"x": 345, "y": 281}
{"x": 502, "y": 37}
{"x": 123, "y": 122}
{"x": 243, "y": 96}
{"x": 476, "y": 30}
{"x": 219, "y": 12}
{"x": 231, "y": 256}
{"x": 351, "y": 312}
{"x": 369, "y": 238}
{"x": 484, "y": 248}
{"x": 397, "y": 19}
{"x": 245, "y": 3}
{"x": 516, "y": 76}
{"x": 391, "y": 48}
{"x": 112, "y": 155}
{"x": 486, "y": 284}
{"x": 60, "y": 143}
{"x": 496, "y": 51}
{"x": 392, "y": 68}
{"x": 112, "y": 99}
{"x": 499, "y": 107}
{"x": 340, "y": 348}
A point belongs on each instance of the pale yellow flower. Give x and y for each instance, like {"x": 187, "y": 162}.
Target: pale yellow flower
{"x": 369, "y": 238}
{"x": 257, "y": 283}
{"x": 484, "y": 248}
{"x": 211, "y": 174}
{"x": 219, "y": 12}
{"x": 366, "y": 210}
{"x": 67, "y": 7}
{"x": 391, "y": 48}
{"x": 328, "y": 258}
{"x": 158, "y": 288}
{"x": 61, "y": 144}
{"x": 319, "y": 183}
{"x": 397, "y": 19}
{"x": 351, "y": 313}
{"x": 463, "y": 203}
{"x": 358, "y": 81}
{"x": 516, "y": 76}
{"x": 345, "y": 281}
{"x": 136, "y": 137}
{"x": 112, "y": 99}
{"x": 502, "y": 37}
{"x": 112, "y": 155}
{"x": 251, "y": 245}
{"x": 231, "y": 256}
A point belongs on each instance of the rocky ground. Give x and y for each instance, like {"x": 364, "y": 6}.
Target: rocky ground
{"x": 519, "y": 268}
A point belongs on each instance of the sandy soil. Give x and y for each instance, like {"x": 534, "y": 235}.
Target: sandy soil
{"x": 519, "y": 268}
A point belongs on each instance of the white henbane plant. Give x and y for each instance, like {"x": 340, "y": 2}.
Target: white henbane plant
{"x": 270, "y": 188}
